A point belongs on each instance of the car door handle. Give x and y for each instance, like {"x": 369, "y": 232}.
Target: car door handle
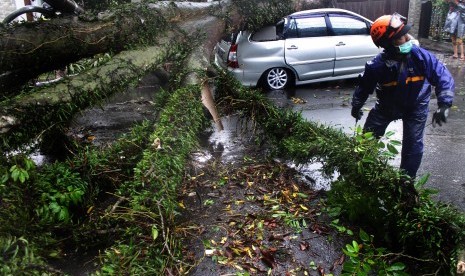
{"x": 341, "y": 44}
{"x": 292, "y": 47}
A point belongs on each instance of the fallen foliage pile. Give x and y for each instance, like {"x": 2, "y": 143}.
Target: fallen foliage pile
{"x": 258, "y": 218}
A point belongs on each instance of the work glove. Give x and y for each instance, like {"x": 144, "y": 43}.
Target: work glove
{"x": 440, "y": 116}
{"x": 357, "y": 113}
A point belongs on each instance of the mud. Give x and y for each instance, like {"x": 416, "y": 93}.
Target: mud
{"x": 244, "y": 214}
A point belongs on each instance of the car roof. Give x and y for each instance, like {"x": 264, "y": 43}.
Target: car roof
{"x": 326, "y": 10}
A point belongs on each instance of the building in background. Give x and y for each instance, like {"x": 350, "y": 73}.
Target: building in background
{"x": 372, "y": 9}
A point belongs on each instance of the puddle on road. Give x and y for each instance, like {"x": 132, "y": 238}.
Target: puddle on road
{"x": 236, "y": 142}
{"x": 312, "y": 174}
{"x": 229, "y": 145}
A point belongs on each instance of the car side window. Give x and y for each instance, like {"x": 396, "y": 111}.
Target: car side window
{"x": 345, "y": 25}
{"x": 307, "y": 27}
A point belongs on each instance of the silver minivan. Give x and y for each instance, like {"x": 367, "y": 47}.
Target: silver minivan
{"x": 307, "y": 46}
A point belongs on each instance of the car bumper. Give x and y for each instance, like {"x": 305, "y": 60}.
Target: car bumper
{"x": 238, "y": 73}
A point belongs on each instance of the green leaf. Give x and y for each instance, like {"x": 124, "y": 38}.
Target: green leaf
{"x": 396, "y": 267}
{"x": 73, "y": 198}
{"x": 422, "y": 181}
{"x": 4, "y": 178}
{"x": 350, "y": 248}
{"x": 29, "y": 164}
{"x": 154, "y": 232}
{"x": 395, "y": 143}
{"x": 22, "y": 177}
{"x": 350, "y": 254}
{"x": 368, "y": 135}
{"x": 15, "y": 175}
{"x": 392, "y": 149}
{"x": 366, "y": 267}
{"x": 350, "y": 267}
{"x": 364, "y": 236}
{"x": 63, "y": 215}
{"x": 54, "y": 207}
{"x": 13, "y": 168}
{"x": 355, "y": 246}
{"x": 389, "y": 134}
{"x": 381, "y": 145}
{"x": 368, "y": 159}
{"x": 53, "y": 254}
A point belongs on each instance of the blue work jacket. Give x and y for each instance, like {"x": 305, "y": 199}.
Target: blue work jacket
{"x": 405, "y": 87}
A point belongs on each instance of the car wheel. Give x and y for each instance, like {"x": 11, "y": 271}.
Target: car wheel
{"x": 277, "y": 78}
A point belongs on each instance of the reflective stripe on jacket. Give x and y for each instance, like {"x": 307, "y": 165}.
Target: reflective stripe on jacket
{"x": 405, "y": 86}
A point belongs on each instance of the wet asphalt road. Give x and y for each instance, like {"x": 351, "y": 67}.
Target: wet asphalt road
{"x": 444, "y": 157}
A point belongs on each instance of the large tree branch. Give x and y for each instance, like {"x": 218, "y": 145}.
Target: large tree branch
{"x": 27, "y": 50}
{"x": 39, "y": 108}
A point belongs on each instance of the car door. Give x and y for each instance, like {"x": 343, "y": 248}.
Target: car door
{"x": 309, "y": 49}
{"x": 353, "y": 44}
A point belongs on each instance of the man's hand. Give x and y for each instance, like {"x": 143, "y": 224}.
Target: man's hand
{"x": 357, "y": 113}
{"x": 440, "y": 116}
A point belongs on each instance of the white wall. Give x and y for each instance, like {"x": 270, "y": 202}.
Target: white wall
{"x": 8, "y": 6}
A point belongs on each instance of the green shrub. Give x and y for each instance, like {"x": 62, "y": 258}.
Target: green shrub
{"x": 17, "y": 257}
{"x": 60, "y": 190}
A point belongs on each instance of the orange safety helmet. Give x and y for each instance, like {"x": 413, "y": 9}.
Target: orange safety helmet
{"x": 388, "y": 27}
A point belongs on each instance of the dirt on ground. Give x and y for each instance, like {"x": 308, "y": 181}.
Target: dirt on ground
{"x": 249, "y": 216}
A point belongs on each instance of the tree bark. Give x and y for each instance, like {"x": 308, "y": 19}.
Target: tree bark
{"x": 29, "y": 49}
{"x": 38, "y": 109}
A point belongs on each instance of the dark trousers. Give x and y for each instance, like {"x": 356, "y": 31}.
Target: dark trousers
{"x": 413, "y": 132}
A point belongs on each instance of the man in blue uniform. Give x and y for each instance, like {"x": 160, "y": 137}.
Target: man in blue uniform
{"x": 402, "y": 76}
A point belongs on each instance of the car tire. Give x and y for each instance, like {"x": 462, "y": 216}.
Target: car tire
{"x": 277, "y": 78}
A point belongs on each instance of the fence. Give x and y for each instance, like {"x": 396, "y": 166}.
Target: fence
{"x": 373, "y": 9}
{"x": 438, "y": 17}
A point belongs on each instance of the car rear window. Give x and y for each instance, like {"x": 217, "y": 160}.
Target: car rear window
{"x": 344, "y": 25}
{"x": 267, "y": 33}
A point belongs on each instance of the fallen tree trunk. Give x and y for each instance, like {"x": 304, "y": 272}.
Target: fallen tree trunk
{"x": 27, "y": 50}
{"x": 24, "y": 118}
{"x": 31, "y": 50}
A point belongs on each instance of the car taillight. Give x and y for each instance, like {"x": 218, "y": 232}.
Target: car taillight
{"x": 232, "y": 57}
